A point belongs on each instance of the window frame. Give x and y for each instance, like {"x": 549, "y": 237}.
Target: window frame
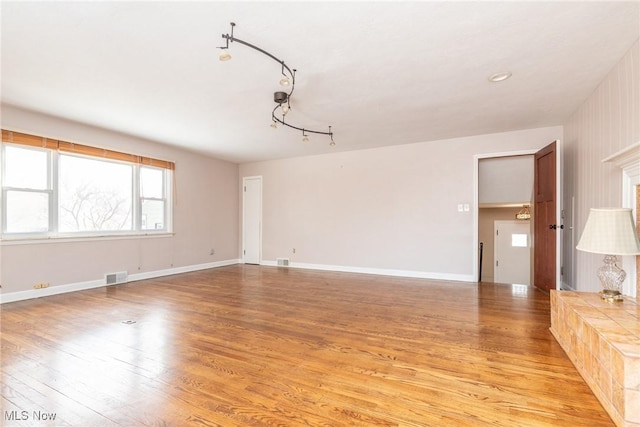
{"x": 53, "y": 163}
{"x": 166, "y": 191}
{"x": 50, "y": 191}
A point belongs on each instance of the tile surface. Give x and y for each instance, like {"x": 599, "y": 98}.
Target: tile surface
{"x": 602, "y": 339}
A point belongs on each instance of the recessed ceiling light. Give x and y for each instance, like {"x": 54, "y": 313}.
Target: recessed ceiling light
{"x": 499, "y": 77}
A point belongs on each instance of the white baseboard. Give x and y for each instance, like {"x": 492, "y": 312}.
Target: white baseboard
{"x": 52, "y": 290}
{"x": 61, "y": 289}
{"x": 377, "y": 271}
{"x": 178, "y": 270}
{"x": 564, "y": 286}
{"x": 80, "y": 286}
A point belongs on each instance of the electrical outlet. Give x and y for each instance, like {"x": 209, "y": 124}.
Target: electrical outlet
{"x": 294, "y": 250}
{"x": 212, "y": 252}
{"x": 41, "y": 285}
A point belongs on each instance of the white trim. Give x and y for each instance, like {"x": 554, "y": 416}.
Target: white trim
{"x": 81, "y": 286}
{"x": 629, "y": 160}
{"x": 625, "y": 157}
{"x": 476, "y": 198}
{"x": 376, "y": 271}
{"x": 570, "y": 229}
{"x": 92, "y": 284}
{"x": 179, "y": 270}
{"x": 53, "y": 290}
{"x": 559, "y": 209}
{"x": 40, "y": 240}
{"x": 559, "y": 201}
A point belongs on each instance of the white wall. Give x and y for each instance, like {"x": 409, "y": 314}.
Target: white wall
{"x": 505, "y": 180}
{"x": 387, "y": 210}
{"x": 205, "y": 218}
{"x": 606, "y": 123}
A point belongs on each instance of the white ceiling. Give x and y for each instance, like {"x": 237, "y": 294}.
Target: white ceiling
{"x": 381, "y": 73}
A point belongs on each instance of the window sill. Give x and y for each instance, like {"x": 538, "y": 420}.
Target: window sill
{"x": 74, "y": 239}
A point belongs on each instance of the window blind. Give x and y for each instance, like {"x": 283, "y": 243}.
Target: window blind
{"x": 86, "y": 150}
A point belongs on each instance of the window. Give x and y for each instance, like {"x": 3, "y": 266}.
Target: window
{"x": 519, "y": 240}
{"x": 152, "y": 199}
{"x": 70, "y": 192}
{"x": 27, "y": 190}
{"x": 94, "y": 195}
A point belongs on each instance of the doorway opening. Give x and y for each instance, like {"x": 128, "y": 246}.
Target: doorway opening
{"x": 544, "y": 197}
{"x": 505, "y": 189}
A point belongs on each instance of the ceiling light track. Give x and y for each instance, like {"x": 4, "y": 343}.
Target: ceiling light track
{"x": 282, "y": 99}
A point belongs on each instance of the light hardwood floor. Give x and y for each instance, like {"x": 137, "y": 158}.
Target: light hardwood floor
{"x": 264, "y": 346}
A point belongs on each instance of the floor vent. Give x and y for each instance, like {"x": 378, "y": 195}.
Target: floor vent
{"x": 283, "y": 262}
{"x": 115, "y": 278}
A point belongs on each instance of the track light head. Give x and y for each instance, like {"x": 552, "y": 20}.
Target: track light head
{"x": 224, "y": 55}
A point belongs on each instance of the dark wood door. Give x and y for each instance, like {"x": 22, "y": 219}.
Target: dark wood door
{"x": 545, "y": 227}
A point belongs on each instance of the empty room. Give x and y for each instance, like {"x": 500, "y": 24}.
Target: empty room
{"x": 219, "y": 213}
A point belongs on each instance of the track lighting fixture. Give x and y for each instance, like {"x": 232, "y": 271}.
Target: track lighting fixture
{"x": 282, "y": 99}
{"x": 225, "y": 55}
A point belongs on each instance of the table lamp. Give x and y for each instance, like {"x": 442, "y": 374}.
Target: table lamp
{"x": 610, "y": 231}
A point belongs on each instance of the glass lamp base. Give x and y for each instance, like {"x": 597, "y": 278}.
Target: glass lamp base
{"x": 611, "y": 276}
{"x": 611, "y": 296}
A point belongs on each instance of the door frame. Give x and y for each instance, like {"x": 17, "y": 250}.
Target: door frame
{"x": 475, "y": 211}
{"x": 242, "y": 239}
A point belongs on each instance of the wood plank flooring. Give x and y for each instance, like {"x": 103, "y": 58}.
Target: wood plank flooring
{"x": 265, "y": 346}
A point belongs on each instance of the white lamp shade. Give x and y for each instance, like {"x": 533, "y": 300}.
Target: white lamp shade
{"x": 611, "y": 232}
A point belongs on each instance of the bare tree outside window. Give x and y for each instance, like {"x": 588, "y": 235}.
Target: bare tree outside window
{"x": 95, "y": 195}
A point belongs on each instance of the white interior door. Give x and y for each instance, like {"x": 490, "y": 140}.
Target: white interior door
{"x": 512, "y": 252}
{"x": 252, "y": 220}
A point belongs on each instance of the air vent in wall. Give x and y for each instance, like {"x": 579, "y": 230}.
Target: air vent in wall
{"x": 115, "y": 278}
{"x": 283, "y": 262}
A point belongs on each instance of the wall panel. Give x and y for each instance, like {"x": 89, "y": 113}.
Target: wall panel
{"x": 606, "y": 123}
